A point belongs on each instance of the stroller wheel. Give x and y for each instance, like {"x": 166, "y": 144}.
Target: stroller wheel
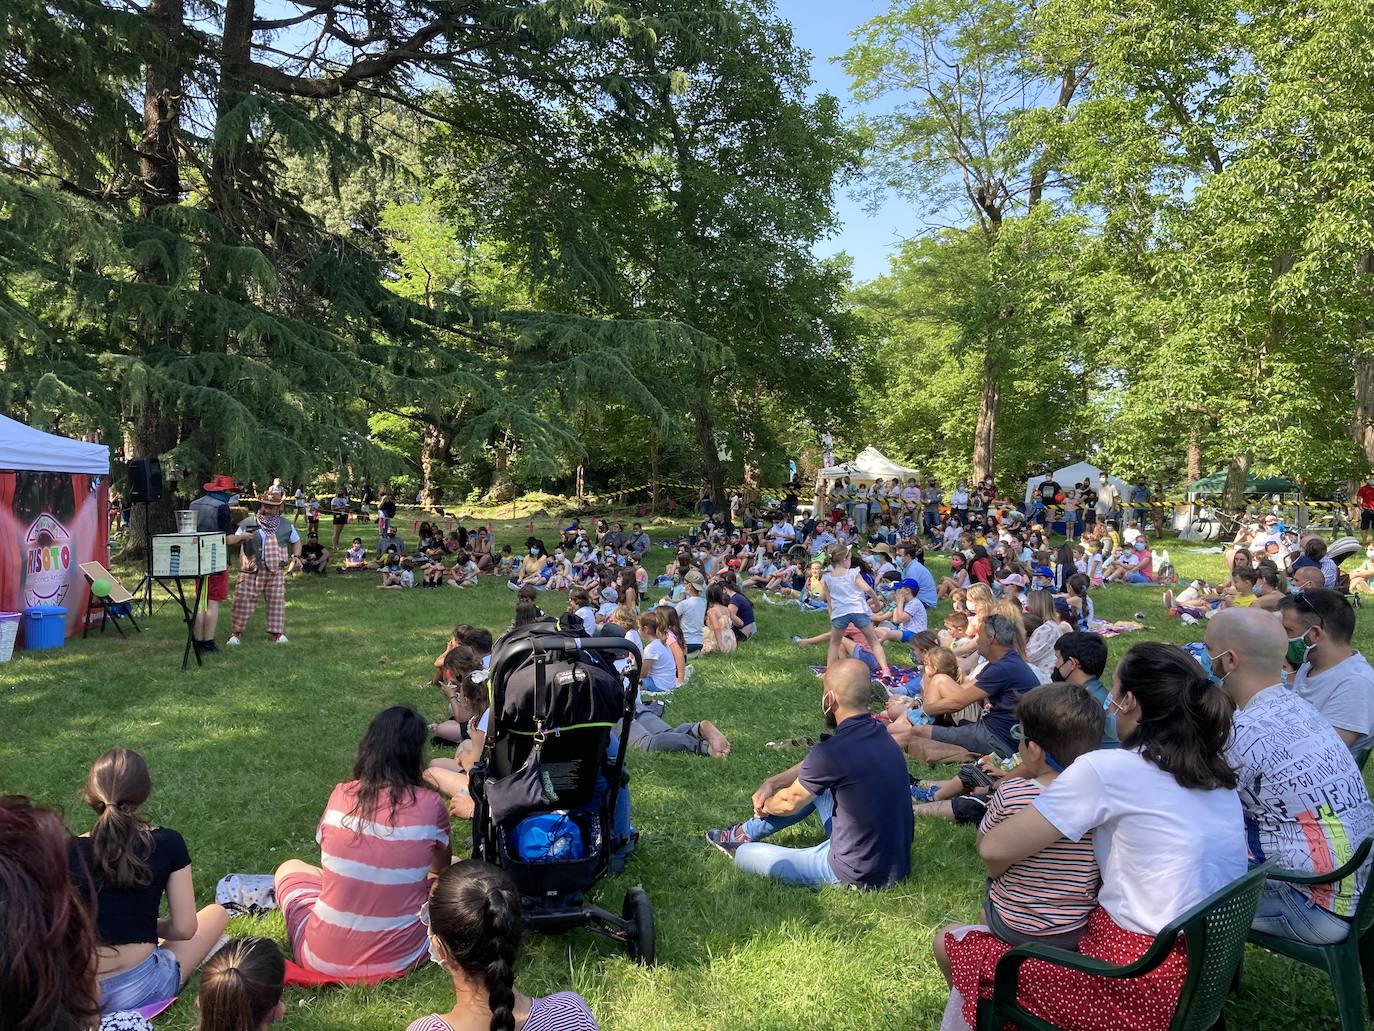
{"x": 640, "y": 914}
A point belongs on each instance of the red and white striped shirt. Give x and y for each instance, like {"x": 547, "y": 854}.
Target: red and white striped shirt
{"x": 366, "y": 920}
{"x": 1054, "y": 890}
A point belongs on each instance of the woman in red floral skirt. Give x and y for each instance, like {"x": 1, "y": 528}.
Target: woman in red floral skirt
{"x": 1167, "y": 833}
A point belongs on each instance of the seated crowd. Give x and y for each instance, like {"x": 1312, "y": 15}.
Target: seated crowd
{"x": 1105, "y": 806}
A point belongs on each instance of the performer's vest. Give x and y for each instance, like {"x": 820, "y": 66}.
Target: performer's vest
{"x": 207, "y": 509}
{"x": 252, "y": 547}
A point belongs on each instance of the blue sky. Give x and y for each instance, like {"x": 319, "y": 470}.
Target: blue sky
{"x": 824, "y": 28}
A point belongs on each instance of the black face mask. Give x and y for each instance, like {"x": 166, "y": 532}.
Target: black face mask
{"x": 1056, "y": 676}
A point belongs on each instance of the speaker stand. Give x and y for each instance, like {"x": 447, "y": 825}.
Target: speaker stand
{"x": 145, "y": 586}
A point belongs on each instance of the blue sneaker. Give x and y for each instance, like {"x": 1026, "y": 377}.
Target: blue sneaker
{"x": 923, "y": 794}
{"x": 795, "y": 638}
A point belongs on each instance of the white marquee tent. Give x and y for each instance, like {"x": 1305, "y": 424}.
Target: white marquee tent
{"x": 23, "y": 447}
{"x": 868, "y": 465}
{"x": 1077, "y": 473}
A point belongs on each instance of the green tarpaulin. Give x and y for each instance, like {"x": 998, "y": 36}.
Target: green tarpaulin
{"x": 1215, "y": 483}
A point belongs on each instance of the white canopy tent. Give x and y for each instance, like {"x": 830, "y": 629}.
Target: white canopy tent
{"x": 23, "y": 447}
{"x": 1077, "y": 473}
{"x": 868, "y": 465}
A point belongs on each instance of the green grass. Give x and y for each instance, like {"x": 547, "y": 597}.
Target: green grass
{"x": 245, "y": 751}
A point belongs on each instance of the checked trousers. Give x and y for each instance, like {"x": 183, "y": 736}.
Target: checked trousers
{"x": 255, "y": 584}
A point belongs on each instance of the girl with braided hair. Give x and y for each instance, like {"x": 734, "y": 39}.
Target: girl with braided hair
{"x": 123, "y": 867}
{"x": 240, "y": 988}
{"x": 474, "y": 922}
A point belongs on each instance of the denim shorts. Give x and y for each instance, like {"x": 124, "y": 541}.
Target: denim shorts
{"x": 157, "y": 978}
{"x": 862, "y": 620}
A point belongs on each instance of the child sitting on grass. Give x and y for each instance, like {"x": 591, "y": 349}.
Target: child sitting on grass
{"x": 394, "y": 574}
{"x": 717, "y": 635}
{"x": 241, "y": 986}
{"x": 660, "y": 668}
{"x": 505, "y": 565}
{"x": 1048, "y": 897}
{"x": 464, "y": 571}
{"x": 465, "y": 688}
{"x": 355, "y": 558}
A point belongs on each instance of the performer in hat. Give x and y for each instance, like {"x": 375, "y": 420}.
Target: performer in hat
{"x": 213, "y": 516}
{"x": 271, "y": 546}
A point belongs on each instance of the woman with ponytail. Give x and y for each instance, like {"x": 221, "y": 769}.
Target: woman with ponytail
{"x": 474, "y": 931}
{"x": 124, "y": 867}
{"x": 1167, "y": 832}
{"x": 240, "y": 987}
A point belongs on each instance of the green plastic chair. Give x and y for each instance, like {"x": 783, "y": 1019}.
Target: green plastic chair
{"x": 1344, "y": 962}
{"x": 1214, "y": 931}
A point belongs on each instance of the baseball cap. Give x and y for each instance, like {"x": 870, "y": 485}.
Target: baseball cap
{"x": 908, "y": 583}
{"x": 1014, "y": 580}
{"x": 1044, "y": 571}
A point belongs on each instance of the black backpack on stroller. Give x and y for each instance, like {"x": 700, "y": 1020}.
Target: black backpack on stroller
{"x": 555, "y": 700}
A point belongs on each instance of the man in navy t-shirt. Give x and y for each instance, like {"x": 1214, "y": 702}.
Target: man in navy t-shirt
{"x": 855, "y": 781}
{"x": 742, "y": 609}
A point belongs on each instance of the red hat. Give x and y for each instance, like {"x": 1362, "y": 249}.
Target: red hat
{"x": 224, "y": 483}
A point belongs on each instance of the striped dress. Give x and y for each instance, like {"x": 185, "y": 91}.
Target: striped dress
{"x": 361, "y": 918}
{"x": 1054, "y": 890}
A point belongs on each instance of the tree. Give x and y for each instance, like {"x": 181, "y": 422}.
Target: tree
{"x": 962, "y": 82}
{"x": 158, "y": 272}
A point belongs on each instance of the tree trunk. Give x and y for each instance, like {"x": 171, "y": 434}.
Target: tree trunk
{"x": 985, "y": 433}
{"x": 1362, "y": 422}
{"x": 148, "y": 436}
{"x": 499, "y": 489}
{"x": 580, "y": 484}
{"x": 150, "y": 432}
{"x": 158, "y": 150}
{"x": 710, "y": 457}
{"x": 1194, "y": 455}
{"x": 1233, "y": 495}
{"x": 434, "y": 459}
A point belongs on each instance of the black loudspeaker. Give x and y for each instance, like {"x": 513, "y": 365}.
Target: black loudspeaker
{"x": 145, "y": 479}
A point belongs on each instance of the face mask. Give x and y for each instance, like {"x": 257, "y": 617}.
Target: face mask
{"x": 1217, "y": 678}
{"x": 435, "y": 956}
{"x": 829, "y": 715}
{"x": 1256, "y": 590}
{"x": 1298, "y": 650}
{"x": 1056, "y": 676}
{"x": 534, "y": 551}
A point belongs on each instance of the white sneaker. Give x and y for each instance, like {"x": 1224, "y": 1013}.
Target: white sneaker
{"x": 687, "y": 673}
{"x": 233, "y": 641}
{"x": 281, "y": 639}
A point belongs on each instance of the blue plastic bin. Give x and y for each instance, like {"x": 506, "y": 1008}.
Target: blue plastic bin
{"x": 45, "y": 626}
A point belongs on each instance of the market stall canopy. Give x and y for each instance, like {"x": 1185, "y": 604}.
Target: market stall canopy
{"x": 23, "y": 447}
{"x": 1077, "y": 473}
{"x": 1215, "y": 483}
{"x": 870, "y": 464}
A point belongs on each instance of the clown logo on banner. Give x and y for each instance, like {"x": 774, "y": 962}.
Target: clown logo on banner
{"x": 48, "y": 547}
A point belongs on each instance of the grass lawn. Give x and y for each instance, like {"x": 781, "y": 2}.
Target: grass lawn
{"x": 245, "y": 752}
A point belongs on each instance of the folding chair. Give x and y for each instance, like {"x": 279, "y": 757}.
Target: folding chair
{"x": 118, "y": 604}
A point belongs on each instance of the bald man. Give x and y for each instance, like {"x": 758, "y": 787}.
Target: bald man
{"x": 1305, "y": 802}
{"x": 1306, "y": 578}
{"x": 855, "y": 780}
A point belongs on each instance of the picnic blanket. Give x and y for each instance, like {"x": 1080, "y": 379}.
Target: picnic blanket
{"x": 1107, "y": 628}
{"x": 904, "y": 679}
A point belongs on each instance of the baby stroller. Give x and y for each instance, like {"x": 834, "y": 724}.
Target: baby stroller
{"x": 544, "y": 788}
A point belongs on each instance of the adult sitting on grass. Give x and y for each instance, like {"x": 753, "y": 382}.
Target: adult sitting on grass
{"x": 855, "y": 781}
{"x": 1167, "y": 833}
{"x": 124, "y": 867}
{"x": 47, "y": 935}
{"x": 1305, "y": 802}
{"x": 474, "y": 925}
{"x": 1331, "y": 674}
{"x": 1000, "y": 682}
{"x": 382, "y": 834}
{"x": 314, "y": 555}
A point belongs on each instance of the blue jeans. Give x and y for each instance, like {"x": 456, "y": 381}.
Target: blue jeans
{"x": 1138, "y": 578}
{"x": 157, "y": 978}
{"x": 1286, "y": 912}
{"x": 808, "y": 867}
